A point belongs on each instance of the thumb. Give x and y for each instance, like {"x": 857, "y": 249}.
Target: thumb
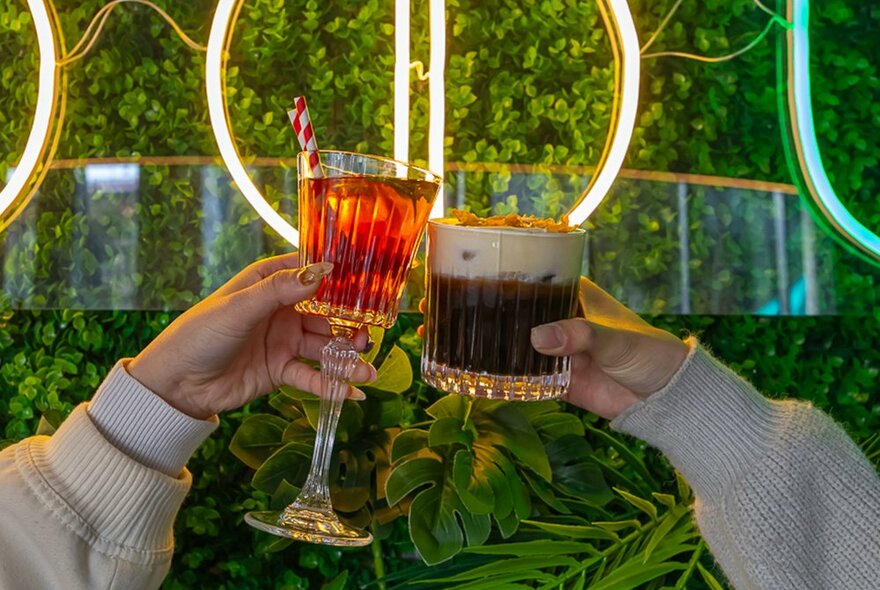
{"x": 575, "y": 336}
{"x": 642, "y": 359}
{"x": 280, "y": 289}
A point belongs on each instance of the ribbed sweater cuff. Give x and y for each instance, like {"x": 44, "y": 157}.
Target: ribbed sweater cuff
{"x": 122, "y": 506}
{"x": 143, "y": 426}
{"x": 710, "y": 424}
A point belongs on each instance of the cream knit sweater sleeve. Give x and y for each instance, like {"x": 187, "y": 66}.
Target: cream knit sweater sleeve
{"x": 784, "y": 499}
{"x": 92, "y": 506}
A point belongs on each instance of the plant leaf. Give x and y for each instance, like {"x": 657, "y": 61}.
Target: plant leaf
{"x": 257, "y": 438}
{"x": 290, "y": 462}
{"x": 711, "y": 581}
{"x": 352, "y": 491}
{"x": 286, "y": 405}
{"x": 633, "y": 574}
{"x": 471, "y": 484}
{"x": 625, "y": 452}
{"x": 379, "y": 413}
{"x": 665, "y": 499}
{"x": 395, "y": 375}
{"x": 640, "y": 503}
{"x": 448, "y": 430}
{"x": 528, "y": 567}
{"x": 411, "y": 474}
{"x": 520, "y": 498}
{"x": 450, "y": 405}
{"x": 432, "y": 526}
{"x": 618, "y": 525}
{"x": 540, "y": 547}
{"x": 507, "y": 525}
{"x": 408, "y": 442}
{"x": 557, "y": 424}
{"x": 574, "y": 471}
{"x": 377, "y": 334}
{"x": 544, "y": 491}
{"x": 337, "y": 583}
{"x": 505, "y": 427}
{"x": 667, "y": 523}
{"x": 684, "y": 490}
{"x": 573, "y": 531}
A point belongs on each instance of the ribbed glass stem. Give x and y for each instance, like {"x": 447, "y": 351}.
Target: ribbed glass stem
{"x": 338, "y": 361}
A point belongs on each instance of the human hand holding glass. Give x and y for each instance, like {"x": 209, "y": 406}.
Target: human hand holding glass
{"x": 365, "y": 215}
{"x": 618, "y": 359}
{"x": 242, "y": 341}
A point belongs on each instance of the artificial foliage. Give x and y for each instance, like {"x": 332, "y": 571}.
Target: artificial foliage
{"x": 504, "y": 493}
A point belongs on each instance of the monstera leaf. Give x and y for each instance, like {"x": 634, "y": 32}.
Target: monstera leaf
{"x": 476, "y": 462}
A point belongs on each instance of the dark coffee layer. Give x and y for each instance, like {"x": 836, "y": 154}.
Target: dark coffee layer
{"x": 484, "y": 325}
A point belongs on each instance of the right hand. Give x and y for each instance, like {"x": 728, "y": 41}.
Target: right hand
{"x": 244, "y": 340}
{"x": 618, "y": 359}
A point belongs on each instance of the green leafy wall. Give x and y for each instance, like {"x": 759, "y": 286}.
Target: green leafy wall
{"x": 527, "y": 83}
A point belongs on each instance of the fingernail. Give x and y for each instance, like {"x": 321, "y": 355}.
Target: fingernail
{"x": 369, "y": 346}
{"x": 313, "y": 273}
{"x": 373, "y": 373}
{"x": 356, "y": 394}
{"x": 547, "y": 337}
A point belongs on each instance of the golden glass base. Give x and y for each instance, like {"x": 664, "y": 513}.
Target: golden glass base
{"x": 309, "y": 526}
{"x": 347, "y": 316}
{"x": 519, "y": 388}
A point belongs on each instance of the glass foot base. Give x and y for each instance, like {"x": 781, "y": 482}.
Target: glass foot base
{"x": 309, "y": 526}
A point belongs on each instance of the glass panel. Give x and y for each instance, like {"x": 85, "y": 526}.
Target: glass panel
{"x": 160, "y": 234}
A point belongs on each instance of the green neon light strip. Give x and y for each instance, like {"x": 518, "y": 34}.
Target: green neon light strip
{"x": 808, "y": 148}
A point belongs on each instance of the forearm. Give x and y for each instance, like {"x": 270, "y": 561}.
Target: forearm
{"x": 784, "y": 497}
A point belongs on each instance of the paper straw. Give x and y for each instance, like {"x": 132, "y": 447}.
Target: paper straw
{"x": 302, "y": 125}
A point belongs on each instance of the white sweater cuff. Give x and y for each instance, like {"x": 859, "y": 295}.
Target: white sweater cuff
{"x": 119, "y": 506}
{"x": 143, "y": 426}
{"x": 711, "y": 424}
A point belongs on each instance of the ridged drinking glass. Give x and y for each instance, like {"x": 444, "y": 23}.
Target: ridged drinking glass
{"x": 487, "y": 288}
{"x": 366, "y": 215}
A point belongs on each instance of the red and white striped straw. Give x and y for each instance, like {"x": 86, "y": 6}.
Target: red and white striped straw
{"x": 299, "y": 118}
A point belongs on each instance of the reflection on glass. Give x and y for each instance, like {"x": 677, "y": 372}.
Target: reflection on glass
{"x": 661, "y": 243}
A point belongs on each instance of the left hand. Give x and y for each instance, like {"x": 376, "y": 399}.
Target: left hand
{"x": 242, "y": 341}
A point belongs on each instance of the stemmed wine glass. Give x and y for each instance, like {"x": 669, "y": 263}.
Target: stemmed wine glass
{"x": 366, "y": 215}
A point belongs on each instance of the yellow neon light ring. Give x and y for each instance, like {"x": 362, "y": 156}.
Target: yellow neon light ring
{"x": 38, "y": 137}
{"x": 218, "y": 44}
{"x": 625, "y": 47}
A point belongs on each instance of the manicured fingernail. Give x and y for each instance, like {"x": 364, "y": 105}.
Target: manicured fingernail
{"x": 547, "y": 337}
{"x": 313, "y": 273}
{"x": 373, "y": 373}
{"x": 356, "y": 394}
{"x": 369, "y": 346}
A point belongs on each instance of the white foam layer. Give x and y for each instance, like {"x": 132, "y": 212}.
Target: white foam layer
{"x": 504, "y": 252}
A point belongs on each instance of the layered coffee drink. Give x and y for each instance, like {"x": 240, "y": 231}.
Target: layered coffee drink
{"x": 490, "y": 281}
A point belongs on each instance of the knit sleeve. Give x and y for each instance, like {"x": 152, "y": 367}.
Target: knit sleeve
{"x": 93, "y": 506}
{"x": 140, "y": 424}
{"x": 784, "y": 498}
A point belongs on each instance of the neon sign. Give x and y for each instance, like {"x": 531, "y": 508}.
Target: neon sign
{"x": 22, "y": 176}
{"x": 814, "y": 178}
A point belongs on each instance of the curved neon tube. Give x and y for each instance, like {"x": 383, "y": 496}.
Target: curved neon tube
{"x": 807, "y": 146}
{"x": 214, "y": 65}
{"x": 629, "y": 102}
{"x": 42, "y": 114}
{"x": 437, "y": 93}
{"x": 401, "y": 80}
